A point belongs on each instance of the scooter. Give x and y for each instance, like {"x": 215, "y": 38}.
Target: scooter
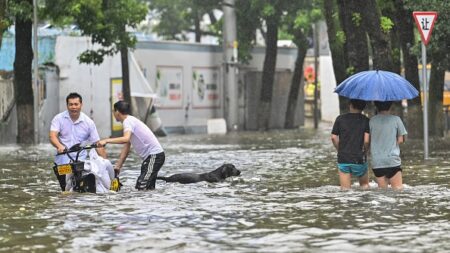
{"x": 83, "y": 181}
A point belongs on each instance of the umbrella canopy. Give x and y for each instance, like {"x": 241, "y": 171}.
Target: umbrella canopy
{"x": 376, "y": 85}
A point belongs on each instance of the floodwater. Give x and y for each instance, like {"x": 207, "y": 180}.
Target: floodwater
{"x": 286, "y": 199}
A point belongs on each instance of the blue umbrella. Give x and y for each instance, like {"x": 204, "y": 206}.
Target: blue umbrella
{"x": 376, "y": 85}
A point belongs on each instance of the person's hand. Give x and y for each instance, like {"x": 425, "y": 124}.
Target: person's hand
{"x": 101, "y": 143}
{"x": 116, "y": 170}
{"x": 60, "y": 149}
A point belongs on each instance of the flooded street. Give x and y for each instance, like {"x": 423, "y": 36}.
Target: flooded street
{"x": 286, "y": 199}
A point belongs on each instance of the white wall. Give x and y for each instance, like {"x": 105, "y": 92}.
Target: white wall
{"x": 329, "y": 100}
{"x": 150, "y": 55}
{"x": 93, "y": 82}
{"x": 90, "y": 81}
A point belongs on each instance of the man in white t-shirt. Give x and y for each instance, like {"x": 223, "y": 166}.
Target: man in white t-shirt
{"x": 144, "y": 142}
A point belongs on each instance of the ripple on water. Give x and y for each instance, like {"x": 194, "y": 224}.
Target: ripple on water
{"x": 287, "y": 199}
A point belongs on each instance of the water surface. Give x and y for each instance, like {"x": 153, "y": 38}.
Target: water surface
{"x": 287, "y": 199}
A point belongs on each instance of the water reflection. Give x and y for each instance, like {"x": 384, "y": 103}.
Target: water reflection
{"x": 287, "y": 199}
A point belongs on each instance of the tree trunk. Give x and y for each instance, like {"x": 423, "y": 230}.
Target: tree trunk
{"x": 125, "y": 74}
{"x": 382, "y": 57}
{"x": 296, "y": 83}
{"x": 23, "y": 91}
{"x": 268, "y": 74}
{"x": 212, "y": 18}
{"x": 3, "y": 24}
{"x": 355, "y": 46}
{"x": 198, "y": 32}
{"x": 405, "y": 29}
{"x": 336, "y": 48}
{"x": 437, "y": 79}
{"x": 356, "y": 39}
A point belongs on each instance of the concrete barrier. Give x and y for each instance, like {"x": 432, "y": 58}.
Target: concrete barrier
{"x": 217, "y": 126}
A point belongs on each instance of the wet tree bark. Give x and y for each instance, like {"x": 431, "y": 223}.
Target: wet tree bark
{"x": 23, "y": 91}
{"x": 125, "y": 74}
{"x": 296, "y": 83}
{"x": 268, "y": 73}
{"x": 405, "y": 31}
{"x": 198, "y": 32}
{"x": 436, "y": 95}
{"x": 336, "y": 48}
{"x": 355, "y": 46}
{"x": 382, "y": 57}
{"x": 3, "y": 23}
{"x": 355, "y": 34}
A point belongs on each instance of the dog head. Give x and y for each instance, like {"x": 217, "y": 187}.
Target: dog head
{"x": 229, "y": 170}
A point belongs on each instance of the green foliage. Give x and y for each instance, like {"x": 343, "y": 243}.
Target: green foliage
{"x": 340, "y": 37}
{"x": 268, "y": 10}
{"x": 248, "y": 20}
{"x": 104, "y": 20}
{"x": 284, "y": 35}
{"x": 316, "y": 14}
{"x": 396, "y": 53}
{"x": 177, "y": 17}
{"x": 5, "y": 20}
{"x": 21, "y": 9}
{"x": 440, "y": 37}
{"x": 350, "y": 70}
{"x": 302, "y": 21}
{"x": 356, "y": 18}
{"x": 386, "y": 24}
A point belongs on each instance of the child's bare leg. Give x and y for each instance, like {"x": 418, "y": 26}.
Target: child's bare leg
{"x": 397, "y": 181}
{"x": 345, "y": 179}
{"x": 382, "y": 182}
{"x": 364, "y": 181}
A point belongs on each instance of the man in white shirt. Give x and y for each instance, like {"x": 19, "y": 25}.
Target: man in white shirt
{"x": 136, "y": 133}
{"x": 72, "y": 127}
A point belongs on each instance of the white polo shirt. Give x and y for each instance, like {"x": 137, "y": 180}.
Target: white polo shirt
{"x": 70, "y": 133}
{"x": 142, "y": 138}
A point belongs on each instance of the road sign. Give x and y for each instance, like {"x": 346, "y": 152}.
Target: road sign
{"x": 425, "y": 23}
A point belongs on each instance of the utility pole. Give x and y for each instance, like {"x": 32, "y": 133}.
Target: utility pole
{"x": 230, "y": 59}
{"x": 316, "y": 70}
{"x": 36, "y": 75}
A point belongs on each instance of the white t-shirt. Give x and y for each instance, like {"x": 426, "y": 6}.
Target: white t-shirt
{"x": 142, "y": 138}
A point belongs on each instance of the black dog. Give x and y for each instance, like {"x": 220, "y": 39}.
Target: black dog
{"x": 217, "y": 175}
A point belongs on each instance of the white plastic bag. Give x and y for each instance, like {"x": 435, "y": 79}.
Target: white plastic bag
{"x": 102, "y": 170}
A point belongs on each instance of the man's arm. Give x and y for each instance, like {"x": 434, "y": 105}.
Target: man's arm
{"x": 335, "y": 140}
{"x": 123, "y": 156}
{"x": 118, "y": 140}
{"x": 53, "y": 136}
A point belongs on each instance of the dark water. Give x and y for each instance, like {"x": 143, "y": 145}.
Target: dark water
{"x": 287, "y": 199}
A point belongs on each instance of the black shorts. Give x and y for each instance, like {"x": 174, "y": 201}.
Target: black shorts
{"x": 149, "y": 171}
{"x": 386, "y": 172}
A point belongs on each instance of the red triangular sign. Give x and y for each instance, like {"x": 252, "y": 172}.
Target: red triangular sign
{"x": 425, "y": 23}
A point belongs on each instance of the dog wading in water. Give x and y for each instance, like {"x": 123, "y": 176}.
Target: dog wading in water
{"x": 217, "y": 175}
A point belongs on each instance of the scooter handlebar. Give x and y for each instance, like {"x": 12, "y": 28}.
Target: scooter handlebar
{"x": 77, "y": 148}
